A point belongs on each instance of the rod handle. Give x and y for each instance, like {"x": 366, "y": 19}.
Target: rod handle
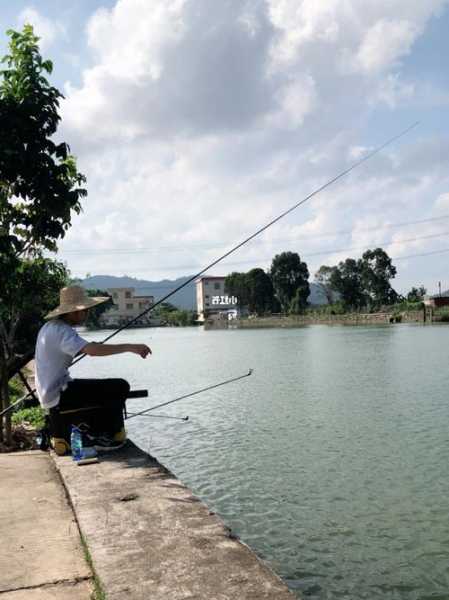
{"x": 137, "y": 394}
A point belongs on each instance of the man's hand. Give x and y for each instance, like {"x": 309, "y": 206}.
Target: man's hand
{"x": 141, "y": 349}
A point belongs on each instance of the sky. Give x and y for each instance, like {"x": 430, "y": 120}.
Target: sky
{"x": 198, "y": 122}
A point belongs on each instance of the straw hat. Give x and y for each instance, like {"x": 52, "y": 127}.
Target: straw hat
{"x": 74, "y": 298}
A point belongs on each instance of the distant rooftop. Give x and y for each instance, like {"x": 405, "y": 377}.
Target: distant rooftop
{"x": 442, "y": 295}
{"x": 210, "y": 277}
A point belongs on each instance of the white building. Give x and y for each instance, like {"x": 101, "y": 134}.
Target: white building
{"x": 212, "y": 301}
{"x": 127, "y": 306}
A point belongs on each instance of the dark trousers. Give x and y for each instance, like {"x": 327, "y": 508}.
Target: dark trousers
{"x": 98, "y": 403}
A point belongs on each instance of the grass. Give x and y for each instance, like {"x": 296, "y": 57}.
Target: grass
{"x": 35, "y": 416}
{"x": 98, "y": 593}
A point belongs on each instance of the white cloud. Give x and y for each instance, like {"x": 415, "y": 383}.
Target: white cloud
{"x": 392, "y": 91}
{"x": 195, "y": 127}
{"x": 47, "y": 30}
{"x": 442, "y": 204}
{"x": 180, "y": 69}
{"x": 384, "y": 43}
{"x": 296, "y": 101}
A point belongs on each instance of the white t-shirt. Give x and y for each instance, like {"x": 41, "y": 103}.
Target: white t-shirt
{"x": 57, "y": 344}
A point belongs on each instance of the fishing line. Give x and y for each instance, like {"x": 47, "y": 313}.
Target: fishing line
{"x": 210, "y": 387}
{"x": 129, "y": 415}
{"x": 259, "y": 231}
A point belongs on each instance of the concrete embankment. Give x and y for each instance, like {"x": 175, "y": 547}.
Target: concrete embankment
{"x": 41, "y": 556}
{"x": 150, "y": 537}
{"x": 291, "y": 321}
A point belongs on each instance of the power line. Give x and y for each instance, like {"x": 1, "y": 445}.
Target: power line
{"x": 184, "y": 247}
{"x": 423, "y": 237}
{"x": 443, "y": 251}
{"x": 321, "y": 253}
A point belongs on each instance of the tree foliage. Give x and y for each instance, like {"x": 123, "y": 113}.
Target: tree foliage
{"x": 253, "y": 289}
{"x": 236, "y": 284}
{"x": 260, "y": 291}
{"x": 290, "y": 277}
{"x": 39, "y": 183}
{"x": 347, "y": 281}
{"x": 416, "y": 294}
{"x": 40, "y": 189}
{"x": 364, "y": 283}
{"x": 323, "y": 280}
{"x": 377, "y": 270}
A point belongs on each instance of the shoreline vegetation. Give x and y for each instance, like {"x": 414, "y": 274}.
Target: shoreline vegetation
{"x": 25, "y": 422}
{"x": 406, "y": 312}
{"x": 387, "y": 316}
{"x": 347, "y": 319}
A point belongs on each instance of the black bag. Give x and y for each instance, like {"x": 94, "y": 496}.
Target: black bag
{"x": 98, "y": 420}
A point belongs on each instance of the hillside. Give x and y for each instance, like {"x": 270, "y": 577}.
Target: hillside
{"x": 185, "y": 298}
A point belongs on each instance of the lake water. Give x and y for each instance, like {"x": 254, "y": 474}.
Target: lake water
{"x": 331, "y": 461}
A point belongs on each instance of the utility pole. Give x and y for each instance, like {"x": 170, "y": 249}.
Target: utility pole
{"x": 439, "y": 288}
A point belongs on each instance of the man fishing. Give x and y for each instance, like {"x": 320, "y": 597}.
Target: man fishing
{"x": 98, "y": 402}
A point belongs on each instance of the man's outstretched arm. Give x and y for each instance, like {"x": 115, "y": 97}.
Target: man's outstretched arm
{"x": 96, "y": 349}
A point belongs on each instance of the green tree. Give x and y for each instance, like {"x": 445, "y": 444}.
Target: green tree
{"x": 376, "y": 270}
{"x": 289, "y": 274}
{"x": 40, "y": 188}
{"x": 236, "y": 284}
{"x": 323, "y": 280}
{"x": 260, "y": 291}
{"x": 298, "y": 303}
{"x": 181, "y": 318}
{"x": 346, "y": 280}
{"x": 416, "y": 294}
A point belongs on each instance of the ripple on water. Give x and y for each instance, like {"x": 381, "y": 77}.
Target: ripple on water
{"x": 331, "y": 461}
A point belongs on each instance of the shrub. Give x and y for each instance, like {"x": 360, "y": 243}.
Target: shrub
{"x": 34, "y": 416}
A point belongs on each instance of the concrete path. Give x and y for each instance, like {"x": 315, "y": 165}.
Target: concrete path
{"x": 149, "y": 537}
{"x": 41, "y": 556}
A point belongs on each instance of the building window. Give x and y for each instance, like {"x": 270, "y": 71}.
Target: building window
{"x": 130, "y": 306}
{"x": 216, "y": 286}
{"x": 143, "y": 304}
{"x": 127, "y": 294}
{"x": 207, "y": 297}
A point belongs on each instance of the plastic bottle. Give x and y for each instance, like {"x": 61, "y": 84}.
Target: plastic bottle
{"x": 76, "y": 443}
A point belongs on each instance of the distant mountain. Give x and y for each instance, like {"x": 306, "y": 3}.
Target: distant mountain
{"x": 185, "y": 298}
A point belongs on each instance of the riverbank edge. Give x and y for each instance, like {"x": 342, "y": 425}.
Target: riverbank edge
{"x": 147, "y": 535}
{"x": 286, "y": 321}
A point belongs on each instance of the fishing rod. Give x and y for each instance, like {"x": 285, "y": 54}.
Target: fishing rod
{"x": 129, "y": 415}
{"x": 245, "y": 241}
{"x": 259, "y": 231}
{"x": 209, "y": 387}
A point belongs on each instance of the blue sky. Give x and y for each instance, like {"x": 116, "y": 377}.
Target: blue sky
{"x": 195, "y": 127}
